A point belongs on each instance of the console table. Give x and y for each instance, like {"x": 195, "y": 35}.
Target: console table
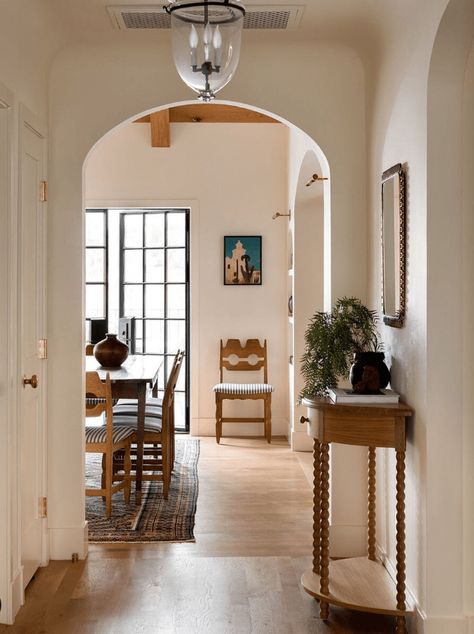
{"x": 357, "y": 583}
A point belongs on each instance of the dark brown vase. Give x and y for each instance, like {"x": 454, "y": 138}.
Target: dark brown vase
{"x": 111, "y": 352}
{"x": 369, "y": 374}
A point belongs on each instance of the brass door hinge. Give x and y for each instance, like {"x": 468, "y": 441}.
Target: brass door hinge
{"x": 43, "y": 507}
{"x": 42, "y": 349}
{"x": 43, "y": 191}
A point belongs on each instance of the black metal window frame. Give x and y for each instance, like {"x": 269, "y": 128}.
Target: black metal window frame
{"x": 167, "y": 355}
{"x": 105, "y": 248}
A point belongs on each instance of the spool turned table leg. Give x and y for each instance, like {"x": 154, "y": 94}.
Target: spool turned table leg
{"x": 317, "y": 507}
{"x": 324, "y": 566}
{"x": 400, "y": 629}
{"x": 371, "y": 506}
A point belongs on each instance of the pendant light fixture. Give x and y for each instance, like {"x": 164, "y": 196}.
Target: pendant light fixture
{"x": 206, "y": 42}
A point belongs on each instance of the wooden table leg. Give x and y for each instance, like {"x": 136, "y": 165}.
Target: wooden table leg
{"x": 371, "y": 506}
{"x": 401, "y": 629}
{"x": 317, "y": 507}
{"x": 324, "y": 587}
{"x": 141, "y": 395}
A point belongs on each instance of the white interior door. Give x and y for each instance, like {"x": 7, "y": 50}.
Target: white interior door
{"x": 32, "y": 287}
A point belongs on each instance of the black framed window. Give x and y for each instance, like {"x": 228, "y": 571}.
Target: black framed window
{"x": 154, "y": 288}
{"x": 96, "y": 267}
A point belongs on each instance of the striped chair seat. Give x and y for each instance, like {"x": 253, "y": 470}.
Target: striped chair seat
{"x": 152, "y": 424}
{"x": 125, "y": 407}
{"x": 99, "y": 434}
{"x": 243, "y": 388}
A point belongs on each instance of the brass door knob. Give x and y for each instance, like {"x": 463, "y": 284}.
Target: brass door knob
{"x": 33, "y": 381}
{"x": 304, "y": 420}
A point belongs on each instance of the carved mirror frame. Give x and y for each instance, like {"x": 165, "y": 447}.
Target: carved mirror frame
{"x": 393, "y": 229}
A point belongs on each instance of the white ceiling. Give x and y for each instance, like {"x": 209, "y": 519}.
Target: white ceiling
{"x": 352, "y": 20}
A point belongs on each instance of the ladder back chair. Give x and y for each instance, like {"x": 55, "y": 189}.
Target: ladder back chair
{"x": 159, "y": 436}
{"x": 250, "y": 357}
{"x": 106, "y": 439}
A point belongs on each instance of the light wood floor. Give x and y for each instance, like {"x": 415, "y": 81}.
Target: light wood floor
{"x": 241, "y": 576}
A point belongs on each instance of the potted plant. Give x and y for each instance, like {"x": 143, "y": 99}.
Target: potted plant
{"x": 335, "y": 340}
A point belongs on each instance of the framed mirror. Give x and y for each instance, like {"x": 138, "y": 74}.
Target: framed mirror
{"x": 393, "y": 245}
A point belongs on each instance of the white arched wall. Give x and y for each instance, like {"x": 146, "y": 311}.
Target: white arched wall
{"x": 93, "y": 89}
{"x": 418, "y": 121}
{"x": 450, "y": 297}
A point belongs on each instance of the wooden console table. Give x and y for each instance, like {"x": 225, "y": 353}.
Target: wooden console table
{"x": 357, "y": 583}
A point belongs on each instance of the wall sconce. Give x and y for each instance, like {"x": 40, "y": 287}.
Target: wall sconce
{"x": 279, "y": 215}
{"x": 314, "y": 178}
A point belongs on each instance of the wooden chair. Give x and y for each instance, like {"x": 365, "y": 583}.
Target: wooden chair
{"x": 159, "y": 440}
{"x": 89, "y": 349}
{"x": 106, "y": 439}
{"x": 243, "y": 391}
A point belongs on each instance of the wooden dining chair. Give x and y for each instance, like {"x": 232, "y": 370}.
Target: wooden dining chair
{"x": 249, "y": 357}
{"x": 89, "y": 349}
{"x": 106, "y": 439}
{"x": 159, "y": 436}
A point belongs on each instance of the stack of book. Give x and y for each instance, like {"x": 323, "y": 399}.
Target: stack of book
{"x": 341, "y": 395}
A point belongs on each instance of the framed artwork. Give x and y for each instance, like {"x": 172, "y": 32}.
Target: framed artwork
{"x": 242, "y": 260}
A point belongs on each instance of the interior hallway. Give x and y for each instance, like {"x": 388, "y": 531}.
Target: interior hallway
{"x": 253, "y": 540}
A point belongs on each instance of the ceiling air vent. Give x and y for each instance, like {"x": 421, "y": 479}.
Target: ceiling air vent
{"x": 279, "y": 17}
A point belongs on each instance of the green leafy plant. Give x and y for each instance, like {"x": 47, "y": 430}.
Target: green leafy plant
{"x": 331, "y": 339}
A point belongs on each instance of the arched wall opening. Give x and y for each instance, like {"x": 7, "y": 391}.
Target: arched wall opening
{"x": 233, "y": 178}
{"x": 89, "y": 97}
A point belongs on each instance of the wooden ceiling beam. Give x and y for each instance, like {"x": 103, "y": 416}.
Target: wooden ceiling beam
{"x": 160, "y": 128}
{"x": 212, "y": 113}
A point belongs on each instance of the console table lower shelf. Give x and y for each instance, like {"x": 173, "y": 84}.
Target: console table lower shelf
{"x": 359, "y": 584}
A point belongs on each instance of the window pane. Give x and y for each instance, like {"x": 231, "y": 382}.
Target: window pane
{"x": 133, "y": 230}
{"x": 179, "y": 410}
{"x": 176, "y": 265}
{"x": 154, "y": 300}
{"x": 95, "y": 301}
{"x": 176, "y": 301}
{"x": 155, "y": 336}
{"x": 139, "y": 346}
{"x": 155, "y": 265}
{"x": 133, "y": 300}
{"x": 95, "y": 229}
{"x": 176, "y": 336}
{"x": 176, "y": 230}
{"x": 95, "y": 265}
{"x": 133, "y": 266}
{"x": 139, "y": 329}
{"x": 155, "y": 230}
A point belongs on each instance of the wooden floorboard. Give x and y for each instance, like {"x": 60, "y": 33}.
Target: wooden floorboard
{"x": 241, "y": 576}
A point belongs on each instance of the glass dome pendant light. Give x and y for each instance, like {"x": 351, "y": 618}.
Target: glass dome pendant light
{"x": 206, "y": 42}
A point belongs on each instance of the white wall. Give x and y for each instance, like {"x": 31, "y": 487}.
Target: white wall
{"x": 234, "y": 177}
{"x": 411, "y": 125}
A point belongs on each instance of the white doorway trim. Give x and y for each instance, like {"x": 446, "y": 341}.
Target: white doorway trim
{"x": 10, "y": 577}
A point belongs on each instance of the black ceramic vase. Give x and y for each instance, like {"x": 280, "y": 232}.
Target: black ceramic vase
{"x": 369, "y": 374}
{"x": 110, "y": 352}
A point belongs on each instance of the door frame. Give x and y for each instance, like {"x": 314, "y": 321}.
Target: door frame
{"x": 11, "y": 578}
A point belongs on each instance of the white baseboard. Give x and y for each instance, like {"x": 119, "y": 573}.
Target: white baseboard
{"x": 421, "y": 624}
{"x": 17, "y": 595}
{"x": 207, "y": 427}
{"x": 347, "y": 540}
{"x": 64, "y": 542}
{"x": 300, "y": 441}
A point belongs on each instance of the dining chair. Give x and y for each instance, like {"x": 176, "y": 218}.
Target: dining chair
{"x": 159, "y": 434}
{"x": 249, "y": 357}
{"x": 106, "y": 439}
{"x": 89, "y": 349}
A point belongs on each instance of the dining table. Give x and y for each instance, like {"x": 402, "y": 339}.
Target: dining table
{"x": 137, "y": 375}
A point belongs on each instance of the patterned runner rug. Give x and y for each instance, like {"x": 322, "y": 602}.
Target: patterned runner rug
{"x": 156, "y": 519}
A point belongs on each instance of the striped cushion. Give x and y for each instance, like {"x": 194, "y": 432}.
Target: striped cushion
{"x": 243, "y": 388}
{"x": 153, "y": 407}
{"x": 130, "y": 422}
{"x": 99, "y": 434}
